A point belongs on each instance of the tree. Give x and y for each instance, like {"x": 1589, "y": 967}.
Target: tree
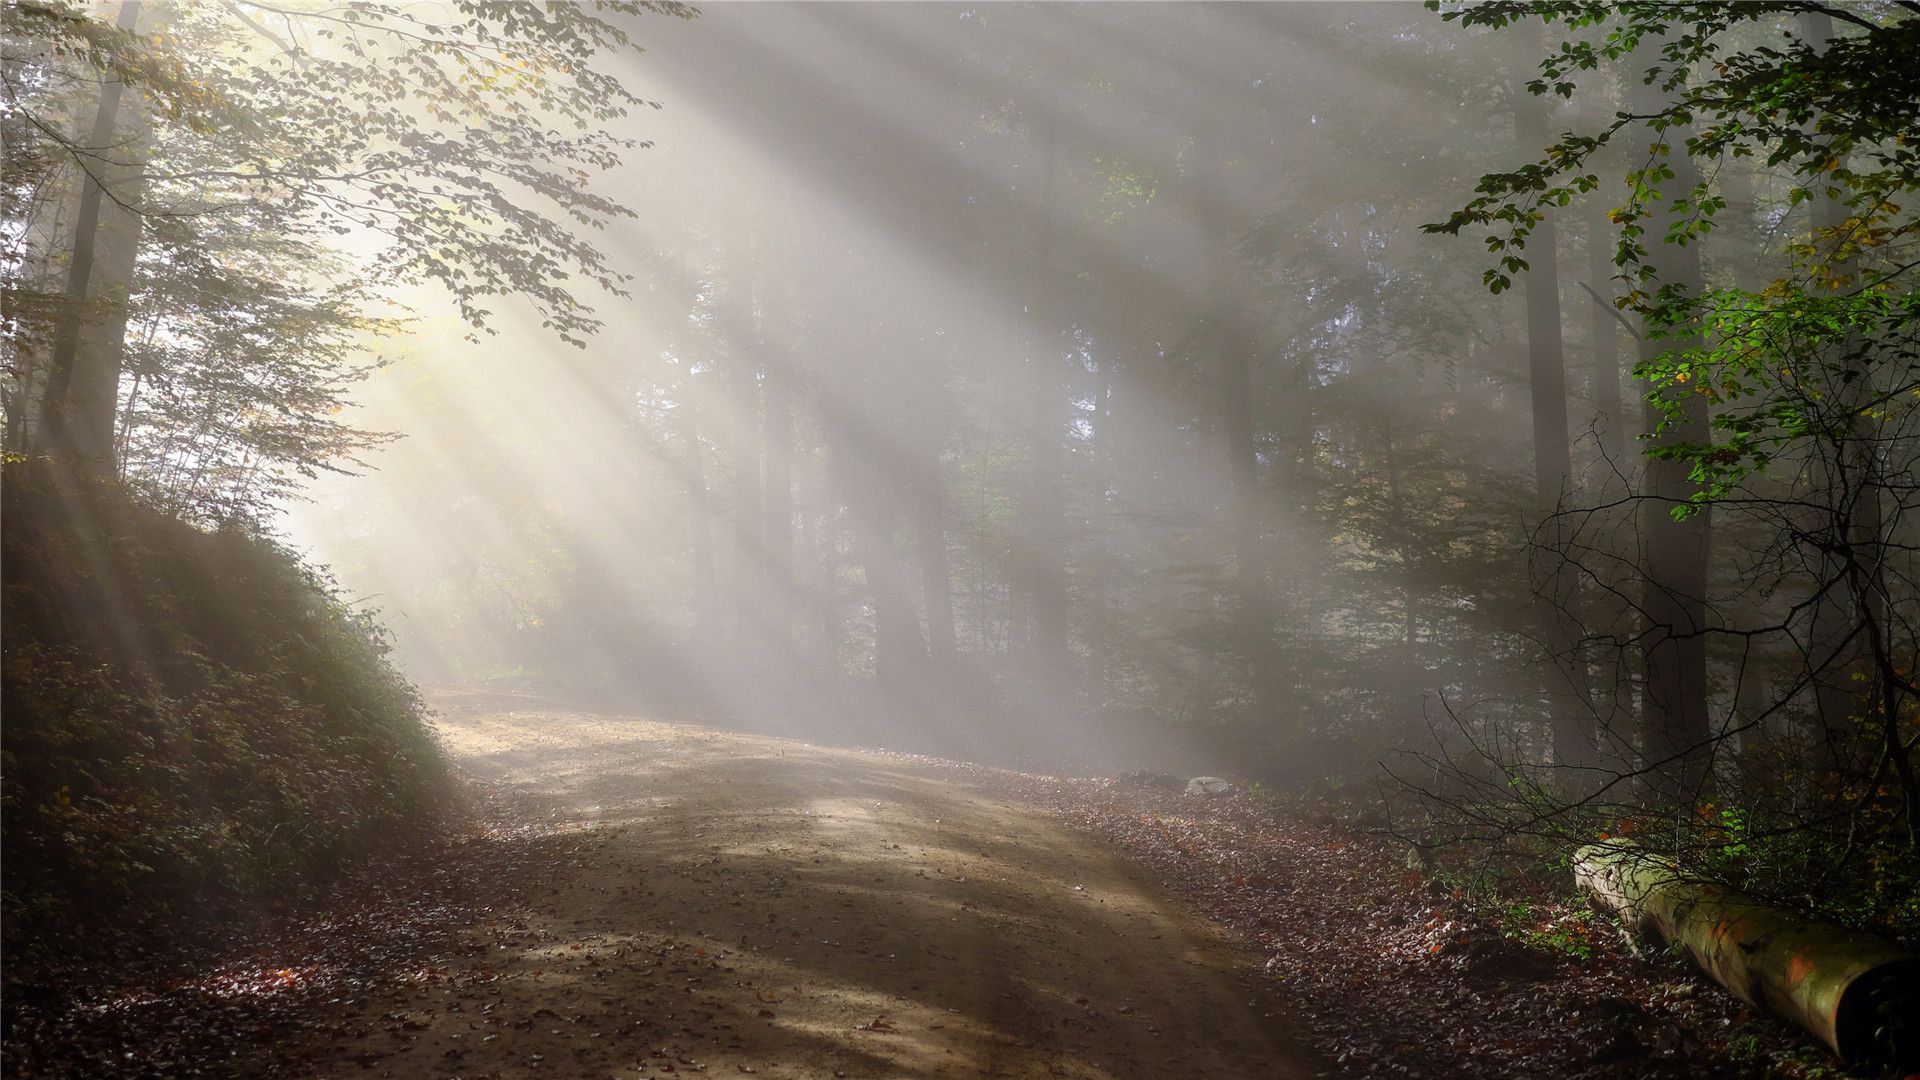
{"x": 107, "y": 232}
{"x": 1783, "y": 405}
{"x": 308, "y": 123}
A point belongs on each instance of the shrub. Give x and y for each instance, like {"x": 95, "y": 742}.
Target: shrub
{"x": 192, "y": 718}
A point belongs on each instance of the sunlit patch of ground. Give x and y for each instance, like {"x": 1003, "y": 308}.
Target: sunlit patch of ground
{"x": 635, "y": 899}
{"x": 755, "y": 905}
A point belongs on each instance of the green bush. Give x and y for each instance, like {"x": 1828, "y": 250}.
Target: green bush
{"x": 190, "y": 716}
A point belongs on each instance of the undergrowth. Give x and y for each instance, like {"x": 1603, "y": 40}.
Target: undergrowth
{"x": 194, "y": 720}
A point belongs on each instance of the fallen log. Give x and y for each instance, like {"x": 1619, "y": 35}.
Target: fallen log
{"x": 1858, "y": 993}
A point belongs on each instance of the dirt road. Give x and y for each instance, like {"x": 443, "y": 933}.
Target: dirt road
{"x": 753, "y": 905}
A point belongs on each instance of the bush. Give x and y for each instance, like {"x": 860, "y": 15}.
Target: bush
{"x": 192, "y": 718}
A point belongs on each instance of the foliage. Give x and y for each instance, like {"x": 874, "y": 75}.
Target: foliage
{"x": 1782, "y": 377}
{"x": 1560, "y": 929}
{"x": 192, "y": 717}
{"x": 446, "y": 131}
{"x": 1782, "y": 828}
{"x": 1794, "y": 366}
{"x": 245, "y": 340}
{"x": 281, "y": 159}
{"x": 1834, "y": 118}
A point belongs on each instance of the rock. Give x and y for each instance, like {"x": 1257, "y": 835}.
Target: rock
{"x": 1420, "y": 858}
{"x": 1142, "y": 780}
{"x": 1211, "y": 786}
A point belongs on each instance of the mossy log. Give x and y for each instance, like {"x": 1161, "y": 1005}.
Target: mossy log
{"x": 1858, "y": 993}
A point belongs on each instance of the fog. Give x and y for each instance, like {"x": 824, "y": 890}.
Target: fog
{"x": 1063, "y": 385}
{"x": 534, "y": 531}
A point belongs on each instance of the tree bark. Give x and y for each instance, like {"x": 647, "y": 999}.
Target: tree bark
{"x": 78, "y": 405}
{"x": 1603, "y": 345}
{"x": 1042, "y": 565}
{"x": 777, "y": 444}
{"x": 699, "y": 513}
{"x": 1674, "y": 725}
{"x": 929, "y": 501}
{"x": 1829, "y": 981}
{"x": 1233, "y": 353}
{"x": 1574, "y": 731}
{"x": 743, "y": 428}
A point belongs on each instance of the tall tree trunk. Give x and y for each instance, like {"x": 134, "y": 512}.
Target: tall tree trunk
{"x": 743, "y": 428}
{"x": 93, "y": 399}
{"x": 1850, "y": 621}
{"x": 699, "y": 515}
{"x": 1408, "y": 683}
{"x": 1546, "y": 359}
{"x": 1044, "y": 538}
{"x": 899, "y": 654}
{"x": 78, "y": 406}
{"x": 1674, "y": 724}
{"x": 1233, "y": 347}
{"x": 929, "y": 524}
{"x": 1603, "y": 344}
{"x": 777, "y": 446}
{"x": 1574, "y": 735}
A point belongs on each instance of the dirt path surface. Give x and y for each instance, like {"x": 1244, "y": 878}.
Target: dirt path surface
{"x": 751, "y": 905}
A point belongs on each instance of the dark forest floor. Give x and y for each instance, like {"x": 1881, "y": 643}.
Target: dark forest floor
{"x": 632, "y": 899}
{"x": 1399, "y": 974}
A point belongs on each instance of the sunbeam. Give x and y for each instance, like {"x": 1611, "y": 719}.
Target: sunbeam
{"x": 1080, "y": 540}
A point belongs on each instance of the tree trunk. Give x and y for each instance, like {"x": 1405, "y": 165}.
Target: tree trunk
{"x": 1233, "y": 349}
{"x": 777, "y": 446}
{"x": 93, "y": 399}
{"x": 79, "y": 403}
{"x": 1603, "y": 346}
{"x": 699, "y": 514}
{"x": 1574, "y": 734}
{"x": 1840, "y": 985}
{"x": 1674, "y": 725}
{"x": 743, "y": 428}
{"x": 929, "y": 524}
{"x": 1853, "y": 614}
{"x": 1044, "y": 537}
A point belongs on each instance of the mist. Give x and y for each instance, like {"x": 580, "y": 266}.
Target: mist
{"x": 1064, "y": 386}
{"x": 950, "y": 539}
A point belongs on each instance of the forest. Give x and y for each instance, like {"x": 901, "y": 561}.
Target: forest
{"x": 934, "y": 539}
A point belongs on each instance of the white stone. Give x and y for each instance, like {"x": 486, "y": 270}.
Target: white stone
{"x": 1209, "y": 785}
